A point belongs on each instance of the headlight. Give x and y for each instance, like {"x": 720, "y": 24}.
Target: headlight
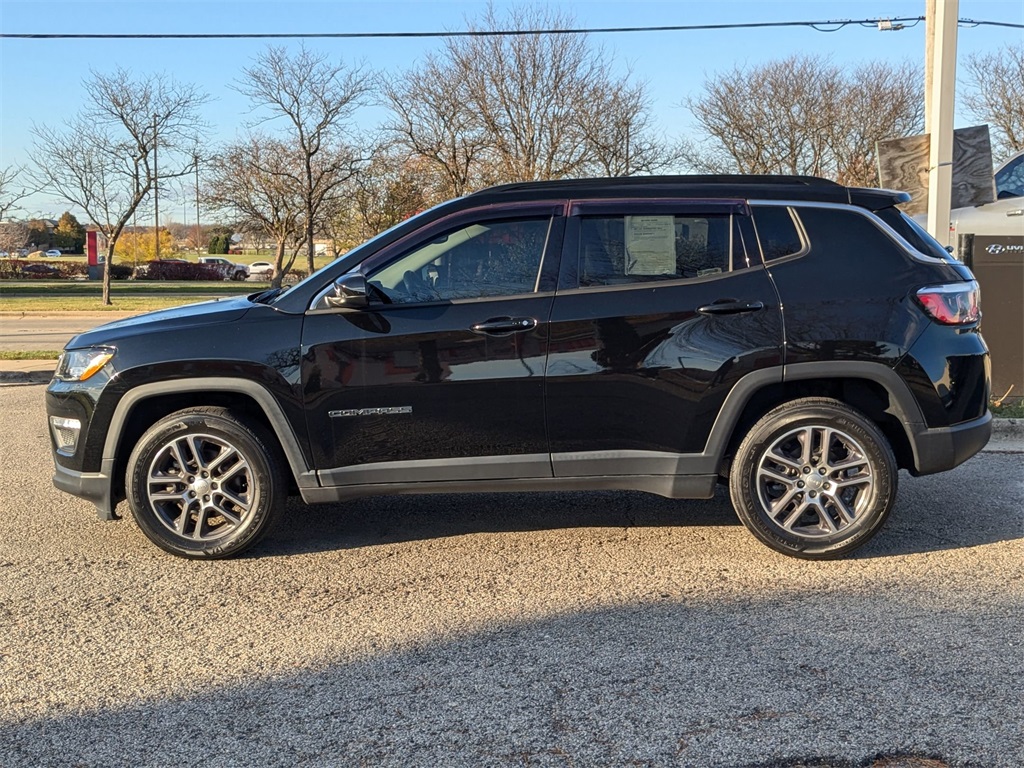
{"x": 81, "y": 364}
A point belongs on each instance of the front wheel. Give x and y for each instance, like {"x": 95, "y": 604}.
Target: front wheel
{"x": 204, "y": 484}
{"x": 814, "y": 478}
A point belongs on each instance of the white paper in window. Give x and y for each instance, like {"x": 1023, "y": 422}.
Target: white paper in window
{"x": 650, "y": 245}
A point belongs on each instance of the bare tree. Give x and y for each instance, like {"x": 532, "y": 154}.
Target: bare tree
{"x": 804, "y": 115}
{"x": 432, "y": 118}
{"x": 13, "y": 235}
{"x": 503, "y": 108}
{"x": 316, "y": 99}
{"x": 393, "y": 187}
{"x": 102, "y": 160}
{"x": 619, "y": 131}
{"x": 995, "y": 95}
{"x": 12, "y": 190}
{"x": 253, "y": 182}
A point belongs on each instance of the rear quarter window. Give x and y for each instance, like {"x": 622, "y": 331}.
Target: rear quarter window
{"x": 777, "y": 232}
{"x": 845, "y": 234}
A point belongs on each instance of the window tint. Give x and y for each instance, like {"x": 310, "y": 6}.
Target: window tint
{"x": 619, "y": 250}
{"x": 777, "y": 231}
{"x": 846, "y": 235}
{"x": 913, "y": 233}
{"x": 493, "y": 258}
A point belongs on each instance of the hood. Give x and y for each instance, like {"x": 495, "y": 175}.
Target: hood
{"x": 187, "y": 316}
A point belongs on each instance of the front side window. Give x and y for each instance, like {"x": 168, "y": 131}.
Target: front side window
{"x": 486, "y": 259}
{"x": 620, "y": 250}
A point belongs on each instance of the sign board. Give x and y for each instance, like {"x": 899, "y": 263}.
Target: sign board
{"x": 998, "y": 265}
{"x": 903, "y": 165}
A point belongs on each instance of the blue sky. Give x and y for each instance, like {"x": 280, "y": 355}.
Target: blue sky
{"x": 40, "y": 80}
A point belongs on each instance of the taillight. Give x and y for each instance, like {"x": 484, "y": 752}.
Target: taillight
{"x": 953, "y": 303}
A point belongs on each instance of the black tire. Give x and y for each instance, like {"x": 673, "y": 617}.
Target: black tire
{"x": 240, "y": 275}
{"x": 804, "y": 501}
{"x": 204, "y": 484}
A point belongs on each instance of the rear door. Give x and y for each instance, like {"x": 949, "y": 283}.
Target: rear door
{"x": 661, "y": 308}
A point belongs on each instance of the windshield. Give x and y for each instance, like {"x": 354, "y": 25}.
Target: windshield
{"x": 913, "y": 233}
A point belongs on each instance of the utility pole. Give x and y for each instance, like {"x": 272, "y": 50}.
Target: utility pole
{"x": 939, "y": 117}
{"x": 199, "y": 231}
{"x": 156, "y": 196}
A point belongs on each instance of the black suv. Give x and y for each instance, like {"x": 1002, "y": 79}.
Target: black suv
{"x": 797, "y": 340}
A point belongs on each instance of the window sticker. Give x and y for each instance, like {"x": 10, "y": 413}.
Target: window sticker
{"x": 650, "y": 245}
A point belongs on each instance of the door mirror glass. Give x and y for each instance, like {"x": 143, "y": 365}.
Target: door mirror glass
{"x": 350, "y": 291}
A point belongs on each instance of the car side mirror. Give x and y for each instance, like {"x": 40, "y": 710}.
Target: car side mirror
{"x": 350, "y": 292}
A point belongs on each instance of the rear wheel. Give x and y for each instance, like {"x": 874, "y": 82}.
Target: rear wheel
{"x": 814, "y": 478}
{"x": 202, "y": 483}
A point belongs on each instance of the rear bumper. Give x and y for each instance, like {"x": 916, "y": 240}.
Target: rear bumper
{"x": 91, "y": 486}
{"x": 936, "y": 450}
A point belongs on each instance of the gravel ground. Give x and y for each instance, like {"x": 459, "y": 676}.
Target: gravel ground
{"x": 573, "y": 629}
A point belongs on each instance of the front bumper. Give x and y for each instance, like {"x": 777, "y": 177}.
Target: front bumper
{"x": 939, "y": 449}
{"x": 92, "y": 486}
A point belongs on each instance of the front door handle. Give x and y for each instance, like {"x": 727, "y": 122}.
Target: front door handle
{"x": 502, "y": 326}
{"x": 730, "y": 307}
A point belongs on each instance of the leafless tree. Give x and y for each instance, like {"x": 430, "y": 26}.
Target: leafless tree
{"x": 393, "y": 187}
{"x": 804, "y": 115}
{"x": 432, "y": 118}
{"x": 13, "y": 235}
{"x": 252, "y": 181}
{"x": 619, "y": 131}
{"x": 523, "y": 107}
{"x": 102, "y": 160}
{"x": 994, "y": 93}
{"x": 13, "y": 189}
{"x": 315, "y": 98}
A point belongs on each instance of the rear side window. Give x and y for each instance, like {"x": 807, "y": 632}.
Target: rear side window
{"x": 777, "y": 231}
{"x": 620, "y": 250}
{"x": 845, "y": 234}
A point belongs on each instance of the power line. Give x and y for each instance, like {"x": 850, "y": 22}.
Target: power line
{"x": 819, "y": 26}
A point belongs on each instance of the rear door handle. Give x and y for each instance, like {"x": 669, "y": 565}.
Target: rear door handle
{"x": 502, "y": 326}
{"x": 730, "y": 307}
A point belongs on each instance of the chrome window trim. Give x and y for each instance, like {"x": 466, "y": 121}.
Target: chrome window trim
{"x": 376, "y": 307}
{"x": 885, "y": 228}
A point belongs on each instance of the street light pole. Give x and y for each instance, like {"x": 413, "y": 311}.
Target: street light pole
{"x": 940, "y": 119}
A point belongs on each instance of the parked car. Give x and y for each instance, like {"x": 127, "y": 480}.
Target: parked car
{"x": 1002, "y": 217}
{"x": 227, "y": 268}
{"x": 39, "y": 270}
{"x": 53, "y": 253}
{"x": 261, "y": 269}
{"x": 793, "y": 340}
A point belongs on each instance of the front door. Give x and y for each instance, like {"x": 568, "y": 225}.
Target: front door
{"x": 442, "y": 376}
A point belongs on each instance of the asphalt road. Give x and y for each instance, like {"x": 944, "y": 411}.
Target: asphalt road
{"x": 30, "y": 331}
{"x": 573, "y": 629}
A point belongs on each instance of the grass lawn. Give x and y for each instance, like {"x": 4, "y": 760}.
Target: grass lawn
{"x": 127, "y": 296}
{"x": 30, "y": 354}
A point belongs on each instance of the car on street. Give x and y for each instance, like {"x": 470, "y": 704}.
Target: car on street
{"x": 53, "y": 253}
{"x": 795, "y": 341}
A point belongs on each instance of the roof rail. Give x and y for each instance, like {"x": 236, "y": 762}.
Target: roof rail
{"x": 702, "y": 180}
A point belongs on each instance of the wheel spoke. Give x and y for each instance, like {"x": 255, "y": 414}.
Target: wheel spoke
{"x": 227, "y": 514}
{"x": 238, "y": 501}
{"x": 225, "y": 454}
{"x": 775, "y": 475}
{"x": 197, "y": 450}
{"x": 795, "y": 515}
{"x": 780, "y": 504}
{"x": 776, "y": 455}
{"x": 175, "y": 448}
{"x": 844, "y": 511}
{"x": 234, "y": 470}
{"x": 806, "y": 445}
{"x": 851, "y": 481}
